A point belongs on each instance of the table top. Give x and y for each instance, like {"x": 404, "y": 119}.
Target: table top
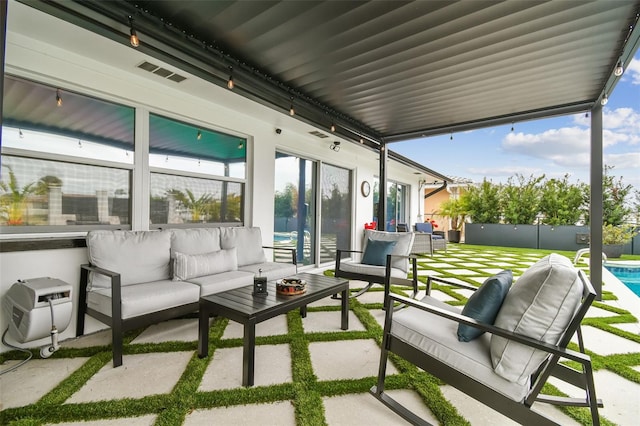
{"x": 242, "y": 301}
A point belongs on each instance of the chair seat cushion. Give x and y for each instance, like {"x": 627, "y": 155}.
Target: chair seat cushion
{"x": 539, "y": 305}
{"x": 484, "y": 304}
{"x": 361, "y": 268}
{"x": 136, "y": 299}
{"x": 436, "y": 336}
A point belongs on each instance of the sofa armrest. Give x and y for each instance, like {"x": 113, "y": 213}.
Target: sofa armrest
{"x": 116, "y": 288}
{"x": 431, "y": 280}
{"x": 294, "y": 253}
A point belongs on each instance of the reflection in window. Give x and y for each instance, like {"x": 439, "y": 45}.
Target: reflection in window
{"x": 336, "y": 211}
{"x": 295, "y": 207}
{"x": 179, "y": 199}
{"x": 44, "y": 186}
{"x": 396, "y": 204}
{"x": 52, "y": 193}
{"x": 179, "y": 146}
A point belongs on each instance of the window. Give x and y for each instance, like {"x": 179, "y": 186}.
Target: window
{"x": 66, "y": 160}
{"x": 197, "y": 176}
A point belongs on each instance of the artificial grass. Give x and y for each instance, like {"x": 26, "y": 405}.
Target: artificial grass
{"x": 305, "y": 392}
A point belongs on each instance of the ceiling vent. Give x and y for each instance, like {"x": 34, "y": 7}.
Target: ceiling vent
{"x": 318, "y": 134}
{"x": 162, "y": 72}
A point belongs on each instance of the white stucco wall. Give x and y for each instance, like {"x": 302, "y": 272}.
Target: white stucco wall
{"x": 59, "y": 54}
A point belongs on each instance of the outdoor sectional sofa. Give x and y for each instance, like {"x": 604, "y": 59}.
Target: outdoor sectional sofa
{"x": 137, "y": 278}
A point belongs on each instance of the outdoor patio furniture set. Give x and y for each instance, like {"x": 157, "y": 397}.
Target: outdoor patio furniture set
{"x": 500, "y": 348}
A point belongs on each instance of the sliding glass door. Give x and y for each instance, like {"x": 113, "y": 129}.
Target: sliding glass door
{"x": 335, "y": 232}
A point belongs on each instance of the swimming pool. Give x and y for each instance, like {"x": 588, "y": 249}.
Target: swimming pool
{"x": 627, "y": 272}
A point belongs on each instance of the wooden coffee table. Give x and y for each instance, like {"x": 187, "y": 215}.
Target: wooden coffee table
{"x": 241, "y": 306}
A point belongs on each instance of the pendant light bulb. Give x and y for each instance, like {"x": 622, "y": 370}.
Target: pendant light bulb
{"x": 604, "y": 100}
{"x": 333, "y": 127}
{"x": 619, "y": 69}
{"x": 133, "y": 39}
{"x": 292, "y": 111}
{"x": 230, "y": 83}
{"x": 58, "y": 98}
{"x": 199, "y": 135}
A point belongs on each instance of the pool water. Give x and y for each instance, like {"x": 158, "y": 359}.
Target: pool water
{"x": 627, "y": 274}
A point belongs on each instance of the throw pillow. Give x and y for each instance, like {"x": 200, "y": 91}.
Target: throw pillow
{"x": 188, "y": 266}
{"x": 376, "y": 252}
{"x": 540, "y": 305}
{"x": 484, "y": 304}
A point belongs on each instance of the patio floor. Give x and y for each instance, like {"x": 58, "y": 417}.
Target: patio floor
{"x": 300, "y": 364}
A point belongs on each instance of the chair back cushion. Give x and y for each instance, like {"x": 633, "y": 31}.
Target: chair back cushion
{"x": 540, "y": 305}
{"x": 138, "y": 256}
{"x": 484, "y": 304}
{"x": 424, "y": 227}
{"x": 404, "y": 242}
{"x": 247, "y": 241}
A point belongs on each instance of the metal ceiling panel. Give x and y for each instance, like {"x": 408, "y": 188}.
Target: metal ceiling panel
{"x": 394, "y": 70}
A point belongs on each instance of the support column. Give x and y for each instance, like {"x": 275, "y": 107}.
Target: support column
{"x": 382, "y": 188}
{"x": 595, "y": 208}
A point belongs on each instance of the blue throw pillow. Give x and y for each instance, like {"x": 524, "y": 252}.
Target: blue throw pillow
{"x": 376, "y": 252}
{"x": 484, "y": 304}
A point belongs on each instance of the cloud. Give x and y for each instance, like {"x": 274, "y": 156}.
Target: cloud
{"x": 504, "y": 171}
{"x": 633, "y": 71}
{"x": 628, "y": 160}
{"x": 567, "y": 146}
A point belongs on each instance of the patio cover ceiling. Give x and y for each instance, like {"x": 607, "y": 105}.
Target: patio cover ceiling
{"x": 386, "y": 71}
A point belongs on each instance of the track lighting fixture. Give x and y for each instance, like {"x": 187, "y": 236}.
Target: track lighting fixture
{"x": 619, "y": 69}
{"x": 230, "y": 83}
{"x": 58, "y": 98}
{"x": 292, "y": 111}
{"x": 335, "y": 146}
{"x": 333, "y": 127}
{"x": 199, "y": 135}
{"x": 134, "y": 40}
{"x": 604, "y": 100}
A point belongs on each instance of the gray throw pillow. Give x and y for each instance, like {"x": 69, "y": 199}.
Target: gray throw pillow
{"x": 484, "y": 304}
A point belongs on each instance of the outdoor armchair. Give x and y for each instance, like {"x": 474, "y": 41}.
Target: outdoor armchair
{"x": 426, "y": 241}
{"x": 509, "y": 360}
{"x": 371, "y": 264}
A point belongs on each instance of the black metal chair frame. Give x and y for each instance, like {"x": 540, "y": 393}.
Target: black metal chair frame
{"x": 518, "y": 411}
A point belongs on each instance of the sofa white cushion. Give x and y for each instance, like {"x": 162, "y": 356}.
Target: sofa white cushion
{"x": 436, "y": 336}
{"x": 136, "y": 299}
{"x": 248, "y": 241}
{"x": 539, "y": 305}
{"x": 404, "y": 242}
{"x": 187, "y": 266}
{"x": 210, "y": 284}
{"x": 271, "y": 270}
{"x": 195, "y": 240}
{"x": 138, "y": 256}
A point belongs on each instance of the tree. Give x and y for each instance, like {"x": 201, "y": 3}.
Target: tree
{"x": 285, "y": 201}
{"x": 455, "y": 210}
{"x": 520, "y": 202}
{"x": 197, "y": 206}
{"x": 615, "y": 210}
{"x": 561, "y": 203}
{"x": 483, "y": 202}
{"x": 13, "y": 201}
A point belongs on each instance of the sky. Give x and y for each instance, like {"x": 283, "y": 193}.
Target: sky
{"x": 553, "y": 147}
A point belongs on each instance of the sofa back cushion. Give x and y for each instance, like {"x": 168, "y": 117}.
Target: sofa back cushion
{"x": 188, "y": 266}
{"x": 247, "y": 241}
{"x": 195, "y": 240}
{"x": 540, "y": 305}
{"x": 404, "y": 242}
{"x": 138, "y": 256}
